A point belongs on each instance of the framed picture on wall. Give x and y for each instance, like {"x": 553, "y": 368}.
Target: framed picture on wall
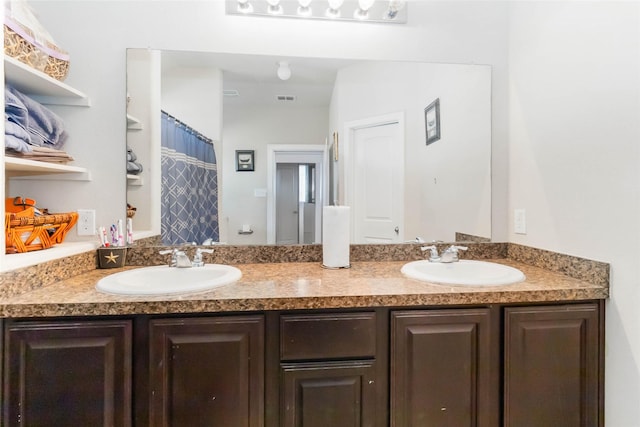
{"x": 245, "y": 160}
{"x": 432, "y": 121}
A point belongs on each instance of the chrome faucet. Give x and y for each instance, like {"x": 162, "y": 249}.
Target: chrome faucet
{"x": 180, "y": 259}
{"x": 451, "y": 253}
{"x": 448, "y": 255}
{"x": 433, "y": 254}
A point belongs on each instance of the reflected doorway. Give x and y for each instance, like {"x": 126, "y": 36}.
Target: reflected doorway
{"x": 295, "y": 193}
{"x": 295, "y": 203}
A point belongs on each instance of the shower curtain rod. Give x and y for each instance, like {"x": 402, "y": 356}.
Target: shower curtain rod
{"x": 189, "y": 128}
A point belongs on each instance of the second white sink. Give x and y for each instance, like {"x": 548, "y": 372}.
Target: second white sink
{"x": 163, "y": 280}
{"x": 463, "y": 272}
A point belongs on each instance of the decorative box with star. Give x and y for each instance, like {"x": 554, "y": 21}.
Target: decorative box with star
{"x": 112, "y": 257}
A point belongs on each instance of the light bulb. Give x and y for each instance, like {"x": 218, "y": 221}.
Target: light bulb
{"x": 362, "y": 12}
{"x": 244, "y": 6}
{"x": 365, "y": 4}
{"x": 284, "y": 72}
{"x": 304, "y": 9}
{"x": 334, "y": 8}
{"x": 394, "y": 7}
{"x": 274, "y": 7}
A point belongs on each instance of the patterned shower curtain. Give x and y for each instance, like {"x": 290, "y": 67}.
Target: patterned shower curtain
{"x": 189, "y": 185}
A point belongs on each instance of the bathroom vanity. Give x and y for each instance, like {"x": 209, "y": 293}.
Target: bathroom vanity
{"x": 293, "y": 344}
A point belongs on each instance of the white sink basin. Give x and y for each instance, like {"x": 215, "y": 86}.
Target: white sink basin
{"x": 463, "y": 272}
{"x": 163, "y": 280}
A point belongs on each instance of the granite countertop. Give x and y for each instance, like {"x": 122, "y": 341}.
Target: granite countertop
{"x": 299, "y": 285}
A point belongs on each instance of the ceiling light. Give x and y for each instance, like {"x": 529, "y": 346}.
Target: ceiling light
{"x": 284, "y": 72}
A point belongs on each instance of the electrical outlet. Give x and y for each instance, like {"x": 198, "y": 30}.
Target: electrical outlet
{"x": 86, "y": 225}
{"x": 519, "y": 221}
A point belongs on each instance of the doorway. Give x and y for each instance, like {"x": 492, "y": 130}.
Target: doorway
{"x": 374, "y": 178}
{"x": 296, "y": 190}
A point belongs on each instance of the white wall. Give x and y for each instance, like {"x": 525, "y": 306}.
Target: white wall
{"x": 448, "y": 183}
{"x": 253, "y": 128}
{"x": 574, "y": 123}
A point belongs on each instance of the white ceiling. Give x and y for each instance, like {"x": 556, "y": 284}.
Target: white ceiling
{"x": 255, "y": 79}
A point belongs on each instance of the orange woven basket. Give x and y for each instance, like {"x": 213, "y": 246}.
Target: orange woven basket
{"x": 25, "y": 234}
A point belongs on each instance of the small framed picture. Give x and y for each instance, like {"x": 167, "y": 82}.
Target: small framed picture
{"x": 245, "y": 160}
{"x": 432, "y": 121}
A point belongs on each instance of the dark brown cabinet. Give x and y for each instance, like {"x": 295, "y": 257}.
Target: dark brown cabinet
{"x": 441, "y": 370}
{"x": 207, "y": 371}
{"x": 552, "y": 366}
{"x": 67, "y": 373}
{"x": 478, "y": 367}
{"x": 328, "y": 370}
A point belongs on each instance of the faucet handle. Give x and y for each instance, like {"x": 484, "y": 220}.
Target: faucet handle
{"x": 197, "y": 258}
{"x": 174, "y": 256}
{"x": 433, "y": 255}
{"x": 456, "y": 248}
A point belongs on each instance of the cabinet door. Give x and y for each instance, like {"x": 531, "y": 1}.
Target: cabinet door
{"x": 207, "y": 371}
{"x": 440, "y": 368}
{"x": 321, "y": 394}
{"x": 551, "y": 366}
{"x": 67, "y": 373}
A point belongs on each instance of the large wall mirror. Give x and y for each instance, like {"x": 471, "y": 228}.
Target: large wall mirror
{"x": 406, "y": 145}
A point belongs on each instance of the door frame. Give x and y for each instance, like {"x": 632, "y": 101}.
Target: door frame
{"x": 349, "y": 158}
{"x": 295, "y": 153}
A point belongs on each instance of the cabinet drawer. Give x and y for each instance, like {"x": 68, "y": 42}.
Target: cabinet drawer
{"x": 327, "y": 336}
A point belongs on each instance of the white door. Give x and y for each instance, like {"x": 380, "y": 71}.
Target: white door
{"x": 287, "y": 208}
{"x": 378, "y": 186}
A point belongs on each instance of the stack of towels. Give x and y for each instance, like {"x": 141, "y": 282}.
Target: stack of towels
{"x": 133, "y": 166}
{"x": 31, "y": 130}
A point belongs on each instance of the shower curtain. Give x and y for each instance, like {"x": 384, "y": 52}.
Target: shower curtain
{"x": 189, "y": 185}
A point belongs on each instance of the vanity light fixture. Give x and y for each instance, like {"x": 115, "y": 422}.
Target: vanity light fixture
{"x": 284, "y": 72}
{"x": 379, "y": 11}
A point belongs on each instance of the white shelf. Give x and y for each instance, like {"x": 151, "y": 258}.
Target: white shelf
{"x": 41, "y": 87}
{"x": 134, "y": 180}
{"x": 133, "y": 123}
{"x": 62, "y": 250}
{"x": 24, "y": 169}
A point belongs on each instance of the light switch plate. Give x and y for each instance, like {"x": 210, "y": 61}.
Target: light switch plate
{"x": 519, "y": 221}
